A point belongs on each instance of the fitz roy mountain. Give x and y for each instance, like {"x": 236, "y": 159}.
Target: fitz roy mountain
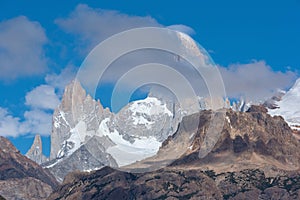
{"x": 85, "y": 136}
{"x": 254, "y": 156}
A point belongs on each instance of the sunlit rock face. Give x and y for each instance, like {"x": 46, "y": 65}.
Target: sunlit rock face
{"x": 77, "y": 112}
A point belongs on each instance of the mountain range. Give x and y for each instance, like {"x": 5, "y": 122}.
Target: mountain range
{"x": 85, "y": 136}
{"x": 255, "y": 157}
{"x": 151, "y": 149}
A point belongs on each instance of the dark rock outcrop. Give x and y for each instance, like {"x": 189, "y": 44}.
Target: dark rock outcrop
{"x": 20, "y": 177}
{"x": 108, "y": 183}
{"x": 168, "y": 183}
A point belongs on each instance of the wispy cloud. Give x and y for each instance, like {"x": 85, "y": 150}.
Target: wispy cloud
{"x": 255, "y": 81}
{"x": 94, "y": 25}
{"x": 59, "y": 81}
{"x": 37, "y": 121}
{"x": 182, "y": 28}
{"x": 9, "y": 125}
{"x": 42, "y": 97}
{"x": 41, "y": 102}
{"x": 21, "y": 48}
{"x": 22, "y": 54}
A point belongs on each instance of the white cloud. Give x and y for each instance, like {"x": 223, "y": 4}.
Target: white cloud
{"x": 182, "y": 28}
{"x": 37, "y": 122}
{"x": 22, "y": 54}
{"x": 21, "y": 48}
{"x": 42, "y": 97}
{"x": 254, "y": 81}
{"x": 95, "y": 25}
{"x": 9, "y": 125}
{"x": 42, "y": 100}
{"x": 59, "y": 81}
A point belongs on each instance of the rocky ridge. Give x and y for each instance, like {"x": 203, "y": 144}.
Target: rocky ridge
{"x": 20, "y": 177}
{"x": 108, "y": 183}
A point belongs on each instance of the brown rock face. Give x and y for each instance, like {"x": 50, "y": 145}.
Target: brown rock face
{"x": 20, "y": 177}
{"x": 257, "y": 108}
{"x": 248, "y": 140}
{"x": 25, "y": 188}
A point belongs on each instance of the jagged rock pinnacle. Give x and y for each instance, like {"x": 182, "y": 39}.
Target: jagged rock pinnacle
{"x": 35, "y": 153}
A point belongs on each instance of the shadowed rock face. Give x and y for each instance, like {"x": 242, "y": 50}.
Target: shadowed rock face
{"x": 173, "y": 183}
{"x": 20, "y": 177}
{"x": 111, "y": 184}
{"x": 88, "y": 157}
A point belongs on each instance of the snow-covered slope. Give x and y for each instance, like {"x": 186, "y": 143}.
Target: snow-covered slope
{"x": 149, "y": 117}
{"x": 78, "y": 116}
{"x": 126, "y": 152}
{"x": 289, "y": 106}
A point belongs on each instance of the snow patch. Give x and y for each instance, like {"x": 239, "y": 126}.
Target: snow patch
{"x": 289, "y": 107}
{"x": 142, "y": 110}
{"x": 125, "y": 152}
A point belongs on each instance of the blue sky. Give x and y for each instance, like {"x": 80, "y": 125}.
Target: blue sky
{"x": 43, "y": 43}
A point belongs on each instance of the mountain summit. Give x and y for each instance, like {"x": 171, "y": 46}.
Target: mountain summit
{"x": 35, "y": 152}
{"x": 85, "y": 136}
